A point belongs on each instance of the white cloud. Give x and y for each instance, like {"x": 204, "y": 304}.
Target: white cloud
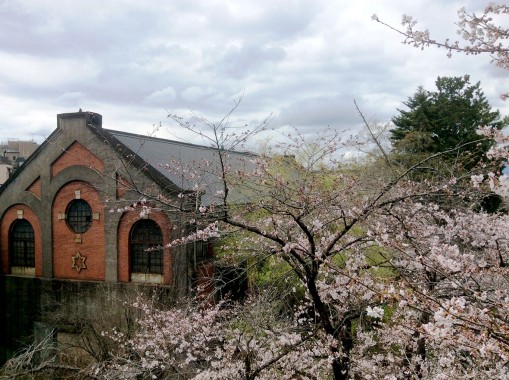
{"x": 161, "y": 97}
{"x": 72, "y": 99}
{"x": 36, "y": 72}
{"x": 194, "y": 93}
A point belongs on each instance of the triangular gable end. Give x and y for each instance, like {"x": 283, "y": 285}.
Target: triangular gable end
{"x": 35, "y": 187}
{"x": 76, "y": 155}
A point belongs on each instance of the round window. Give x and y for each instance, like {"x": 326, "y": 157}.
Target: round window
{"x": 79, "y": 216}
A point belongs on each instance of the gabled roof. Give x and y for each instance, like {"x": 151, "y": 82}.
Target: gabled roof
{"x": 164, "y": 155}
{"x": 157, "y": 157}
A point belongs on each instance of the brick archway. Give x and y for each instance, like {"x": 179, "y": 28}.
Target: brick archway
{"x": 126, "y": 223}
{"x": 13, "y": 213}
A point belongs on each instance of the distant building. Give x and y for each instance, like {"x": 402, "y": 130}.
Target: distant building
{"x": 5, "y": 172}
{"x": 13, "y": 154}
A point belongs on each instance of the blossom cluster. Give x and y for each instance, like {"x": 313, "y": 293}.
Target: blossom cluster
{"x": 214, "y": 342}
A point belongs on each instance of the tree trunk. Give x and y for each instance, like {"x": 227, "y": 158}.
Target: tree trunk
{"x": 340, "y": 368}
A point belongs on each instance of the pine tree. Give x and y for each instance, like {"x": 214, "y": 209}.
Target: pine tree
{"x": 445, "y": 120}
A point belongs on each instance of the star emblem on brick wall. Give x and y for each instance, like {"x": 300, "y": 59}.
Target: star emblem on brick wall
{"x": 78, "y": 262}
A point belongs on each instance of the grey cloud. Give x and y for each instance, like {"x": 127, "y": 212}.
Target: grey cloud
{"x": 321, "y": 111}
{"x": 240, "y": 62}
{"x": 71, "y": 99}
{"x": 162, "y": 97}
{"x": 55, "y": 30}
{"x": 264, "y": 21}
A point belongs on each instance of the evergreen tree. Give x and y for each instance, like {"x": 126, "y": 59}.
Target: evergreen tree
{"x": 445, "y": 120}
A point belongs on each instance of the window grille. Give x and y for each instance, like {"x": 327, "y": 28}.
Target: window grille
{"x": 22, "y": 244}
{"x": 79, "y": 216}
{"x": 146, "y": 242}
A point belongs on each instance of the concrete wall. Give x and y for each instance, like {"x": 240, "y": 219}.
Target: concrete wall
{"x": 62, "y": 305}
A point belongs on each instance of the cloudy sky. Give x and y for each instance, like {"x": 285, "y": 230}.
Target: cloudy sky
{"x": 302, "y": 61}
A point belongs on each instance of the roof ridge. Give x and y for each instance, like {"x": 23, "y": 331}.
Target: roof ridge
{"x": 148, "y": 137}
{"x": 177, "y": 142}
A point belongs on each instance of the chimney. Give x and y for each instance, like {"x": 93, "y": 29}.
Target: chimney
{"x": 79, "y": 120}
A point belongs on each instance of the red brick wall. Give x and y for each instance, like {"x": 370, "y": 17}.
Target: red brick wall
{"x": 124, "y": 228}
{"x": 35, "y": 188}
{"x": 8, "y": 218}
{"x": 78, "y": 155}
{"x": 92, "y": 244}
{"x": 123, "y": 185}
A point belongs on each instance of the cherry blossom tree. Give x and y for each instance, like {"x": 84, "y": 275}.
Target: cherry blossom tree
{"x": 386, "y": 273}
{"x": 214, "y": 342}
{"x": 485, "y": 33}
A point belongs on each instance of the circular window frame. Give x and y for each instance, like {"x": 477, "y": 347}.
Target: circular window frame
{"x": 79, "y": 216}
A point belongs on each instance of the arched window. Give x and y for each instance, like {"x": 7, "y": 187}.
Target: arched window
{"x": 144, "y": 235}
{"x": 22, "y": 244}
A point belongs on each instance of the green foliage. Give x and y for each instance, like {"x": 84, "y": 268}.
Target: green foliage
{"x": 377, "y": 258}
{"x": 443, "y": 120}
{"x": 273, "y": 271}
{"x": 265, "y": 273}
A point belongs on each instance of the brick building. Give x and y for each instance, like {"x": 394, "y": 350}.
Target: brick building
{"x": 59, "y": 214}
{"x": 74, "y": 233}
{"x": 15, "y": 149}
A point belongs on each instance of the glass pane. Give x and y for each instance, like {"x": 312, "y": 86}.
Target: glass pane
{"x": 22, "y": 244}
{"x": 146, "y": 234}
{"x": 79, "y": 216}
